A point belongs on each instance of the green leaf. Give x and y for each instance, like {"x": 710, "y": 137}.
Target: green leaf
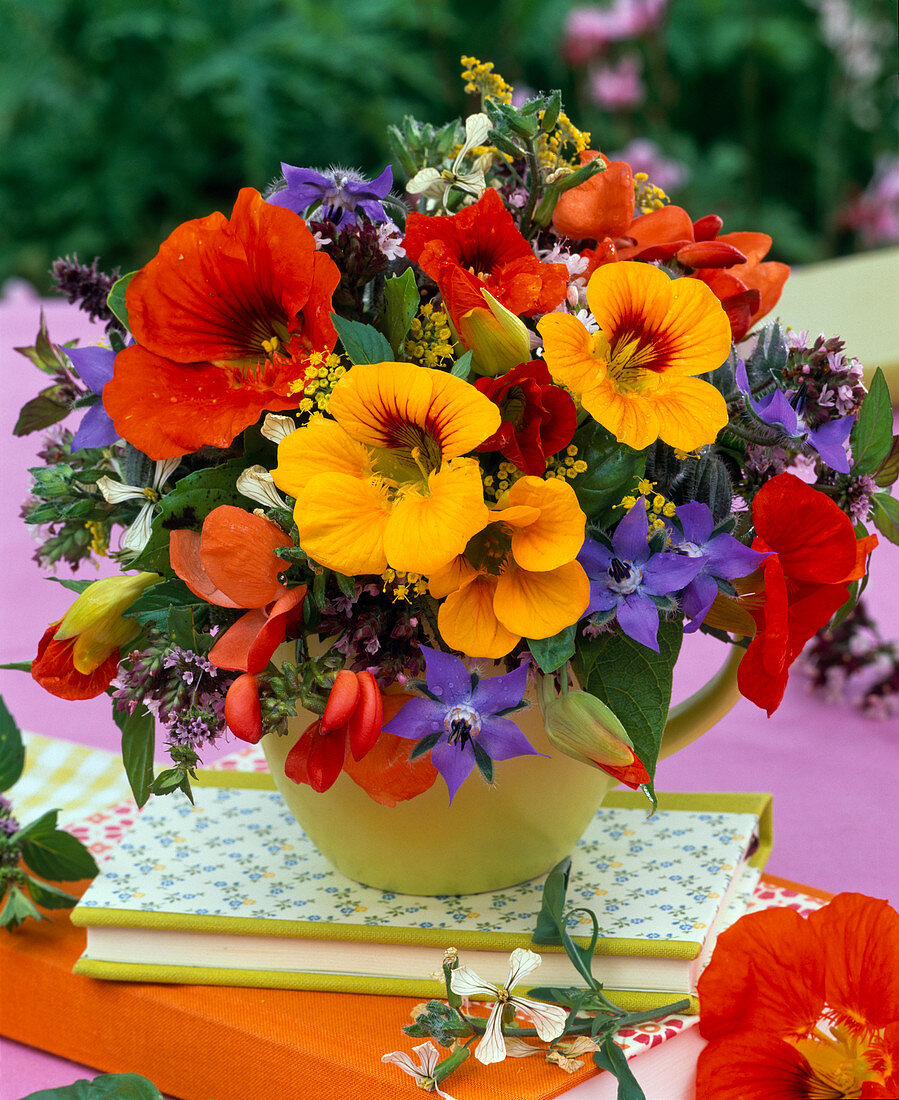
{"x": 73, "y": 586}
{"x": 116, "y": 298}
{"x": 41, "y": 826}
{"x": 402, "y": 298}
{"x": 138, "y": 744}
{"x": 167, "y": 781}
{"x": 59, "y": 856}
{"x": 18, "y": 666}
{"x": 612, "y": 470}
{"x": 187, "y": 505}
{"x": 12, "y": 750}
{"x": 362, "y": 343}
{"x": 552, "y": 653}
{"x": 633, "y": 681}
{"x": 462, "y": 366}
{"x": 169, "y": 605}
{"x": 885, "y": 513}
{"x": 17, "y": 908}
{"x": 549, "y": 919}
{"x": 108, "y": 1086}
{"x": 610, "y": 1056}
{"x": 49, "y": 897}
{"x": 40, "y": 412}
{"x": 888, "y": 470}
{"x": 872, "y": 434}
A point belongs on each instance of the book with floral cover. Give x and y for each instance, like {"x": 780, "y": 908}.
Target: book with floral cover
{"x": 255, "y": 904}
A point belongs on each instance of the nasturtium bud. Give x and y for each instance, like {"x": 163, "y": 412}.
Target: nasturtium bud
{"x": 584, "y": 728}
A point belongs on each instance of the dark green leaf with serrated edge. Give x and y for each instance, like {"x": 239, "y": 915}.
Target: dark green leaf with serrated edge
{"x": 47, "y": 896}
{"x": 362, "y": 343}
{"x": 872, "y": 434}
{"x": 611, "y": 1057}
{"x": 187, "y": 505}
{"x": 41, "y": 826}
{"x": 138, "y": 744}
{"x": 108, "y": 1086}
{"x": 402, "y": 300}
{"x": 462, "y": 366}
{"x": 888, "y": 470}
{"x": 612, "y": 471}
{"x": 12, "y": 750}
{"x": 58, "y": 856}
{"x": 116, "y": 298}
{"x": 885, "y": 513}
{"x": 41, "y": 412}
{"x": 634, "y": 682}
{"x": 16, "y": 908}
{"x": 552, "y": 653}
{"x": 549, "y": 918}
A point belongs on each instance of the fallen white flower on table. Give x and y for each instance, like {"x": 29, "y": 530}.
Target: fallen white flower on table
{"x": 549, "y": 1020}
{"x": 428, "y": 1057}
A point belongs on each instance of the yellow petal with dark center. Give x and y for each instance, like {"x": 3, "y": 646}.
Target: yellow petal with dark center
{"x": 558, "y": 534}
{"x": 691, "y": 412}
{"x": 451, "y": 577}
{"x": 402, "y": 406}
{"x": 538, "y": 605}
{"x": 467, "y": 621}
{"x": 341, "y": 522}
{"x": 320, "y": 447}
{"x": 428, "y": 529}
{"x": 570, "y": 352}
{"x": 632, "y": 418}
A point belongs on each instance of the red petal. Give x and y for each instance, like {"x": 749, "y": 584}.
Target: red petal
{"x": 280, "y": 617}
{"x": 342, "y": 701}
{"x": 242, "y": 710}
{"x": 238, "y": 553}
{"x": 752, "y": 1066}
{"x": 658, "y": 227}
{"x": 710, "y": 254}
{"x": 53, "y": 669}
{"x": 707, "y": 228}
{"x": 184, "y": 554}
{"x": 662, "y": 251}
{"x": 296, "y": 764}
{"x": 364, "y": 726}
{"x": 232, "y": 649}
{"x": 386, "y": 773}
{"x": 326, "y": 756}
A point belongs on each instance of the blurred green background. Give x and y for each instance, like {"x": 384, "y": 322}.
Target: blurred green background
{"x": 122, "y": 118}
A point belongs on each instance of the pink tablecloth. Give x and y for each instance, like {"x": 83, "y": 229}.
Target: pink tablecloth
{"x": 833, "y": 773}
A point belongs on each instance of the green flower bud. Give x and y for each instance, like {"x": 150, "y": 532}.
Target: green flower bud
{"x": 584, "y": 728}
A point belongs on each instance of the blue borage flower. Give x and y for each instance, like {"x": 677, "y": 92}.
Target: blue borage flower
{"x": 460, "y": 718}
{"x": 95, "y": 368}
{"x": 338, "y": 193}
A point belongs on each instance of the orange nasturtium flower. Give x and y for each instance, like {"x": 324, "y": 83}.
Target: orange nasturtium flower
{"x": 384, "y": 483}
{"x": 635, "y": 374}
{"x": 518, "y": 577}
{"x": 803, "y": 1009}
{"x": 225, "y": 317}
{"x": 79, "y": 655}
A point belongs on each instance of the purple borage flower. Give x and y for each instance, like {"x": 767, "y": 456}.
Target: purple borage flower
{"x": 460, "y": 718}
{"x": 94, "y": 366}
{"x": 722, "y": 556}
{"x": 778, "y": 411}
{"x": 625, "y": 579}
{"x": 340, "y": 192}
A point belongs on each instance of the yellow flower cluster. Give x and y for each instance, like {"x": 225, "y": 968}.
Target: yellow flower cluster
{"x": 99, "y": 537}
{"x": 430, "y": 341}
{"x": 648, "y": 197}
{"x": 655, "y": 504}
{"x": 566, "y": 465}
{"x": 404, "y": 585}
{"x": 506, "y": 475}
{"x": 479, "y": 77}
{"x": 551, "y": 148}
{"x": 323, "y": 372}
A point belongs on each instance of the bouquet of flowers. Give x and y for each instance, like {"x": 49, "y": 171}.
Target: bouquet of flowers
{"x": 518, "y": 425}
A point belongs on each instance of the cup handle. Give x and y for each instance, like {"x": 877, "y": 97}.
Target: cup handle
{"x": 701, "y": 710}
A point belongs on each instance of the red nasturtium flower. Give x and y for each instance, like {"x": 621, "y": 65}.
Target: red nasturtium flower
{"x": 481, "y": 246}
{"x": 225, "y": 317}
{"x": 803, "y": 1009}
{"x": 538, "y": 418}
{"x": 602, "y": 206}
{"x": 805, "y": 581}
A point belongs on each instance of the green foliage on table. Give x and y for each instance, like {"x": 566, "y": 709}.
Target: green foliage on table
{"x": 108, "y": 1086}
{"x": 40, "y": 846}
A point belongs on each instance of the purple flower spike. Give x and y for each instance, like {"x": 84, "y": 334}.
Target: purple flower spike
{"x": 625, "y": 578}
{"x": 340, "y": 192}
{"x": 722, "y": 557}
{"x": 783, "y": 410}
{"x": 94, "y": 366}
{"x": 463, "y": 717}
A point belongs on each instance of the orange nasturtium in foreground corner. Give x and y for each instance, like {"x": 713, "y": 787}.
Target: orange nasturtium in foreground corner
{"x": 635, "y": 375}
{"x": 224, "y": 319}
{"x": 803, "y": 1009}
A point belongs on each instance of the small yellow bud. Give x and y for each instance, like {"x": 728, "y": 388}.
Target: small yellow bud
{"x": 497, "y": 339}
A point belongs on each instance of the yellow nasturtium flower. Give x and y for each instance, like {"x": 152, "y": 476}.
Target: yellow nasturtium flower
{"x": 385, "y": 484}
{"x": 97, "y": 622}
{"x": 635, "y": 375}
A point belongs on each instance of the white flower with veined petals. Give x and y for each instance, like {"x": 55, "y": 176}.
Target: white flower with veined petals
{"x": 428, "y": 1056}
{"x": 549, "y": 1020}
{"x": 275, "y": 427}
{"x": 436, "y": 184}
{"x": 138, "y": 534}
{"x": 256, "y": 483}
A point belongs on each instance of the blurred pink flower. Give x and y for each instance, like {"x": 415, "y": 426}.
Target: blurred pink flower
{"x": 644, "y": 155}
{"x": 618, "y": 87}
{"x": 875, "y": 213}
{"x": 589, "y": 31}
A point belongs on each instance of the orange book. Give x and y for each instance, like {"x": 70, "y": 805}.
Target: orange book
{"x": 197, "y": 1042}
